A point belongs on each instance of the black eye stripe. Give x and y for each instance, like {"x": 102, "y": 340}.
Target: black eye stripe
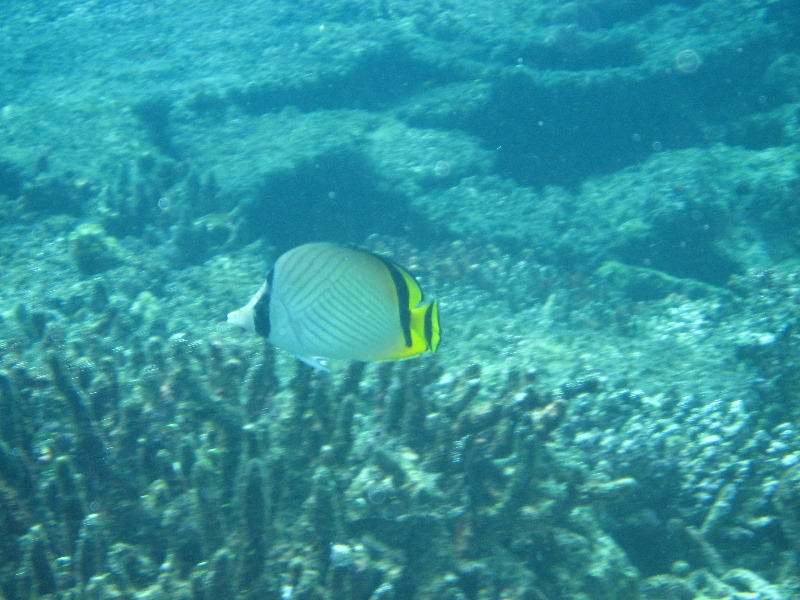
{"x": 261, "y": 309}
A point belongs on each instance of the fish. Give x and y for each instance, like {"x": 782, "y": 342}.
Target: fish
{"x": 323, "y": 301}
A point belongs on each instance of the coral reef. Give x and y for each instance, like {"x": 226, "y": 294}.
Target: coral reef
{"x": 558, "y": 91}
{"x": 667, "y": 214}
{"x": 188, "y": 470}
{"x": 56, "y": 193}
{"x": 194, "y": 470}
{"x": 601, "y": 193}
{"x": 93, "y": 250}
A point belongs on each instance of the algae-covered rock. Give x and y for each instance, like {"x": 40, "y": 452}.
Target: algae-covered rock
{"x": 56, "y": 194}
{"x": 413, "y": 160}
{"x": 93, "y": 250}
{"x": 665, "y": 214}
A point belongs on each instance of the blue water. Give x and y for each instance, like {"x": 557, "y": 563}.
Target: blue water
{"x": 603, "y": 197}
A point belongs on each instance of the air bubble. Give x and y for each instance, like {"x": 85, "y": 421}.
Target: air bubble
{"x": 441, "y": 168}
{"x": 687, "y": 61}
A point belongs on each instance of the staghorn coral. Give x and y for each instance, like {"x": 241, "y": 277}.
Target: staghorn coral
{"x": 196, "y": 471}
{"x": 180, "y": 468}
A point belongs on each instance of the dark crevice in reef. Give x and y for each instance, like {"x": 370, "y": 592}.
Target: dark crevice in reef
{"x": 610, "y": 12}
{"x": 154, "y": 116}
{"x": 683, "y": 246}
{"x": 11, "y": 179}
{"x": 336, "y": 196}
{"x": 568, "y": 49}
{"x": 557, "y": 132}
{"x": 560, "y": 127}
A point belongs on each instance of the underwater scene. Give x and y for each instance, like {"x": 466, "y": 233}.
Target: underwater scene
{"x": 399, "y": 299}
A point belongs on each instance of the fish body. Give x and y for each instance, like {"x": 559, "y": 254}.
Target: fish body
{"x": 324, "y": 301}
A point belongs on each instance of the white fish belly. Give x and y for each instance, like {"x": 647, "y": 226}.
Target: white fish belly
{"x": 316, "y": 332}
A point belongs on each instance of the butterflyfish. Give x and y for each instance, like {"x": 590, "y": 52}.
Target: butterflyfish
{"x": 324, "y": 301}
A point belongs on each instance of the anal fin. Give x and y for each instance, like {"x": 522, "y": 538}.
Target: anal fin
{"x": 318, "y": 362}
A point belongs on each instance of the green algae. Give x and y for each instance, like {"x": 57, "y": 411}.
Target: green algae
{"x": 93, "y": 250}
